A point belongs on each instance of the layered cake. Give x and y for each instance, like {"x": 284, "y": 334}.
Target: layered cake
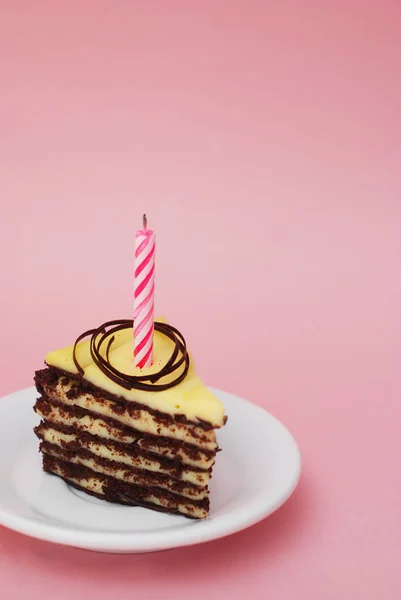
{"x": 133, "y": 436}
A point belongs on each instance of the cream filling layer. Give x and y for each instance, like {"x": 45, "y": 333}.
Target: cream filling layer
{"x": 104, "y": 430}
{"x": 140, "y": 420}
{"x": 138, "y": 479}
{"x": 94, "y": 484}
{"x": 53, "y": 436}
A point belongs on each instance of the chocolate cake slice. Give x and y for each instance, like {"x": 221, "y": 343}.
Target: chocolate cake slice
{"x": 138, "y": 437}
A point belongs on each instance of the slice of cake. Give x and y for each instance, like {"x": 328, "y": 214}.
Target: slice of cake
{"x": 138, "y": 437}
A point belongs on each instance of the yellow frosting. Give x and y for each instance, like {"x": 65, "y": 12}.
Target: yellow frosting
{"x": 190, "y": 398}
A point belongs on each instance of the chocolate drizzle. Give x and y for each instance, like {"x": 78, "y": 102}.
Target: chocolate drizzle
{"x": 177, "y": 363}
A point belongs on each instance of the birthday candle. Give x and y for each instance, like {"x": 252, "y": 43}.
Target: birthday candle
{"x": 144, "y": 290}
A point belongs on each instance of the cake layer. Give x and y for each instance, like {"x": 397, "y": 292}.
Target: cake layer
{"x": 66, "y": 391}
{"x": 111, "y": 430}
{"x": 123, "y": 473}
{"x": 115, "y": 491}
{"x": 132, "y": 456}
{"x": 190, "y": 398}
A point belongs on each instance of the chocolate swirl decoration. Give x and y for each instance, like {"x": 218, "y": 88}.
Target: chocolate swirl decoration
{"x": 104, "y": 336}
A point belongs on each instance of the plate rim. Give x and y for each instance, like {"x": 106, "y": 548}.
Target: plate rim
{"x": 239, "y": 519}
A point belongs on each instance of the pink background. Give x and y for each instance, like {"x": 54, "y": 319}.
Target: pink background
{"x": 263, "y": 139}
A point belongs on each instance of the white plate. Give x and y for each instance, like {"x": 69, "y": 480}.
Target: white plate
{"x": 255, "y": 473}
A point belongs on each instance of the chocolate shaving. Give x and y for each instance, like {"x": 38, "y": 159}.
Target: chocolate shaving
{"x": 177, "y": 363}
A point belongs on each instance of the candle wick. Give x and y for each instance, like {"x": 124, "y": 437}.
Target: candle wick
{"x": 145, "y": 222}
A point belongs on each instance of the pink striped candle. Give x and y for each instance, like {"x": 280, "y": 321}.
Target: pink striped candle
{"x": 144, "y": 291}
